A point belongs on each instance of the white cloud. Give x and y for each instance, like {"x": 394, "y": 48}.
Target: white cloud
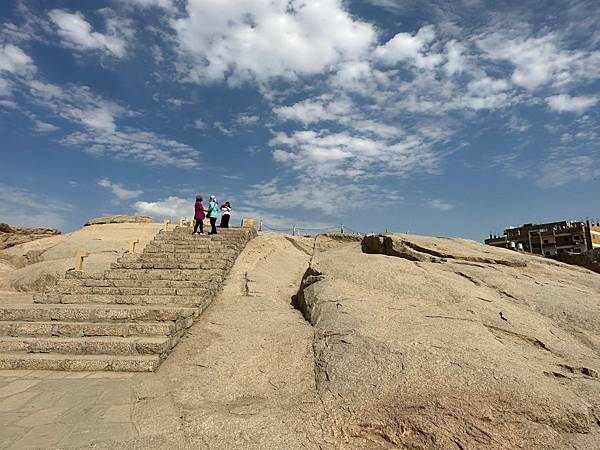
{"x": 200, "y": 124}
{"x": 136, "y": 145}
{"x": 567, "y": 103}
{"x": 316, "y": 110}
{"x": 560, "y": 169}
{"x": 164, "y": 4}
{"x": 43, "y": 127}
{"x": 325, "y": 196}
{"x": 348, "y": 155}
{"x": 405, "y": 47}
{"x": 455, "y": 58}
{"x": 267, "y": 39}
{"x": 246, "y": 120}
{"x": 119, "y": 190}
{"x": 77, "y": 33}
{"x": 440, "y": 204}
{"x": 14, "y": 60}
{"x": 170, "y": 208}
{"x": 541, "y": 60}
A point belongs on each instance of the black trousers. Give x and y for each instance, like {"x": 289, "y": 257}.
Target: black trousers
{"x": 224, "y": 221}
{"x": 213, "y": 225}
{"x": 199, "y": 224}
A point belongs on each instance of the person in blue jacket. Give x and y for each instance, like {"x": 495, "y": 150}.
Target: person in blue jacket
{"x": 213, "y": 213}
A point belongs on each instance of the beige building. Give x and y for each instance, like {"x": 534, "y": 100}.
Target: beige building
{"x": 549, "y": 239}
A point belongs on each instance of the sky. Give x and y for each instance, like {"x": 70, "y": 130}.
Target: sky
{"x": 445, "y": 118}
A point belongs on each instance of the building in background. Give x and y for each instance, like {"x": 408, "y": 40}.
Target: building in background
{"x": 549, "y": 239}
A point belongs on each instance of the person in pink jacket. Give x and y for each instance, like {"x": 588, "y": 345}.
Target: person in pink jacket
{"x": 199, "y": 216}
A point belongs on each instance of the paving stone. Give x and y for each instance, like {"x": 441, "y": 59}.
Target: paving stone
{"x": 14, "y": 373}
{"x": 9, "y": 434}
{"x": 117, "y": 413}
{"x": 88, "y": 434}
{"x": 17, "y": 386}
{"x": 10, "y": 418}
{"x": 44, "y": 436}
{"x": 41, "y": 417}
{"x": 17, "y": 401}
{"x": 40, "y": 401}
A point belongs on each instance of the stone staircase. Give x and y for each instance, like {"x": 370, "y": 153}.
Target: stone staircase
{"x": 128, "y": 318}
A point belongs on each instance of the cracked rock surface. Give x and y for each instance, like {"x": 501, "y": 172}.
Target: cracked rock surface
{"x": 436, "y": 343}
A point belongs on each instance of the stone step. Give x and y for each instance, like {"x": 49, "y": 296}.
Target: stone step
{"x": 56, "y": 361}
{"x": 92, "y": 345}
{"x": 136, "y": 291}
{"x": 141, "y": 300}
{"x": 149, "y": 284}
{"x": 187, "y": 249}
{"x": 203, "y": 265}
{"x": 165, "y": 274}
{"x": 183, "y": 257}
{"x": 80, "y": 329}
{"x": 95, "y": 313}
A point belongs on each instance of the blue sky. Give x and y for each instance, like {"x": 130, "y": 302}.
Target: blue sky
{"x": 450, "y": 118}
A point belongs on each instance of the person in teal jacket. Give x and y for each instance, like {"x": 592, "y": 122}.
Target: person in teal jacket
{"x": 213, "y": 213}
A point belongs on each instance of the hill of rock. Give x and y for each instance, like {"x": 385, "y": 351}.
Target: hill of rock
{"x": 118, "y": 219}
{"x": 11, "y": 236}
{"x": 36, "y": 264}
{"x": 445, "y": 343}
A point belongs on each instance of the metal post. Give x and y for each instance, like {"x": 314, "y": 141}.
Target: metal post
{"x": 260, "y": 225}
{"x": 342, "y": 228}
{"x": 294, "y": 230}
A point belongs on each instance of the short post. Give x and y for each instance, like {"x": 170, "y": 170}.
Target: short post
{"x": 132, "y": 246}
{"x": 166, "y": 225}
{"x": 181, "y": 221}
{"x": 342, "y": 228}
{"x": 260, "y": 225}
{"x": 79, "y": 261}
{"x": 293, "y": 230}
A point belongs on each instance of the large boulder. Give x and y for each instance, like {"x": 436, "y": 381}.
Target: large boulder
{"x": 432, "y": 343}
{"x": 118, "y": 219}
{"x": 11, "y": 236}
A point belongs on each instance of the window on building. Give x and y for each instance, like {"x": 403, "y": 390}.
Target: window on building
{"x": 547, "y": 253}
{"x": 545, "y": 241}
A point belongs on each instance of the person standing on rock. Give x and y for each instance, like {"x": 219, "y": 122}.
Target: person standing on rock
{"x": 225, "y": 214}
{"x": 213, "y": 214}
{"x": 199, "y": 216}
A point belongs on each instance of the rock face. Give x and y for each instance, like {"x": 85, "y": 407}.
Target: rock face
{"x": 450, "y": 344}
{"x": 590, "y": 260}
{"x": 119, "y": 219}
{"x": 11, "y": 236}
{"x": 38, "y": 264}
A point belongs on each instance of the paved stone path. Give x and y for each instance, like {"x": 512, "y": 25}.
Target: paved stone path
{"x": 42, "y": 409}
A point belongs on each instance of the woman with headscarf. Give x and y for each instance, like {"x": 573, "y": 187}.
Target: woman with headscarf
{"x": 213, "y": 214}
{"x": 225, "y": 213}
